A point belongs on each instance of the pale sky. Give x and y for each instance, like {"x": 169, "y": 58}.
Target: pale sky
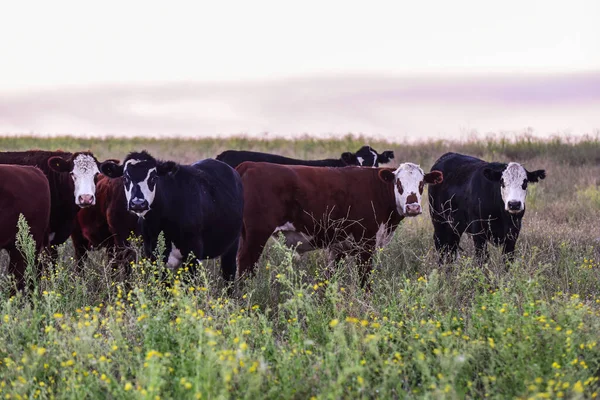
{"x": 48, "y": 43}
{"x": 398, "y": 69}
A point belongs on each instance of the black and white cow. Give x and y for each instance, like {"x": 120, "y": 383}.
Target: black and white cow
{"x": 198, "y": 207}
{"x": 364, "y": 157}
{"x": 486, "y": 200}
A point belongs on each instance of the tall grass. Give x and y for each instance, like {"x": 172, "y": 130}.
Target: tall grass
{"x": 458, "y": 331}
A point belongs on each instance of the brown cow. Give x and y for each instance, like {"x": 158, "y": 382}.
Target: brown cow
{"x": 23, "y": 190}
{"x": 72, "y": 184}
{"x": 108, "y": 224}
{"x": 325, "y": 207}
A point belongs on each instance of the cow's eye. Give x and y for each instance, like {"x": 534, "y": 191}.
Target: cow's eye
{"x": 153, "y": 179}
{"x": 524, "y": 185}
{"x": 72, "y": 175}
{"x": 421, "y": 187}
{"x": 502, "y": 182}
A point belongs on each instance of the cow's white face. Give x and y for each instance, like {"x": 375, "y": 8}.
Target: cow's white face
{"x": 514, "y": 179}
{"x": 85, "y": 170}
{"x": 139, "y": 179}
{"x": 513, "y": 187}
{"x": 140, "y": 174}
{"x": 409, "y": 181}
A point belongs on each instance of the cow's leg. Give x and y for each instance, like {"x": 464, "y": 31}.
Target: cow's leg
{"x": 17, "y": 266}
{"x": 80, "y": 245}
{"x": 228, "y": 262}
{"x": 251, "y": 246}
{"x": 365, "y": 267}
{"x": 481, "y": 252}
{"x": 446, "y": 242}
{"x": 508, "y": 250}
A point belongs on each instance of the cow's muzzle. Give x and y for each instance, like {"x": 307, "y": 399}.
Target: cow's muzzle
{"x": 86, "y": 200}
{"x": 412, "y": 210}
{"x": 514, "y": 207}
{"x": 138, "y": 205}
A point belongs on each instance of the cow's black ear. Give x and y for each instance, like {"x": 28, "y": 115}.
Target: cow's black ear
{"x": 385, "y": 157}
{"x": 166, "y": 167}
{"x": 387, "y": 175}
{"x": 112, "y": 160}
{"x": 536, "y": 175}
{"x": 59, "y": 164}
{"x": 349, "y": 158}
{"x": 434, "y": 177}
{"x": 111, "y": 169}
{"x": 492, "y": 174}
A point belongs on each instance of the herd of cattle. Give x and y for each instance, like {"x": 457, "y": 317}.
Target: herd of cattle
{"x": 231, "y": 206}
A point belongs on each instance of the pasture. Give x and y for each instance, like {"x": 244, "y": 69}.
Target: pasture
{"x": 291, "y": 331}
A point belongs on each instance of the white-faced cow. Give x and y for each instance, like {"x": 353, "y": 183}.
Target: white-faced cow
{"x": 71, "y": 177}
{"x": 366, "y": 156}
{"x": 486, "y": 200}
{"x": 327, "y": 207}
{"x": 198, "y": 207}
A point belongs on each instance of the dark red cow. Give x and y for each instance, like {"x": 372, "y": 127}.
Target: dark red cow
{"x": 23, "y": 190}
{"x": 349, "y": 209}
{"x": 108, "y": 224}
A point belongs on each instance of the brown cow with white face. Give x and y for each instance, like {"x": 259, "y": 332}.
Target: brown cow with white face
{"x": 71, "y": 177}
{"x": 327, "y": 207}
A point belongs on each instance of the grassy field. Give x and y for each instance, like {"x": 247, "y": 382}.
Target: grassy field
{"x": 460, "y": 331}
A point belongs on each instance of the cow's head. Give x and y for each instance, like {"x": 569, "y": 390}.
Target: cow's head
{"x": 513, "y": 180}
{"x": 140, "y": 172}
{"x": 409, "y": 182}
{"x": 367, "y": 157}
{"x": 83, "y": 168}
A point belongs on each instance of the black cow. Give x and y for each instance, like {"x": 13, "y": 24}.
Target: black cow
{"x": 198, "y": 207}
{"x": 364, "y": 157}
{"x": 486, "y": 200}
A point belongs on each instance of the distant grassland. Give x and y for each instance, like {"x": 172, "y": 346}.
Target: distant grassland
{"x": 569, "y": 151}
{"x": 424, "y": 331}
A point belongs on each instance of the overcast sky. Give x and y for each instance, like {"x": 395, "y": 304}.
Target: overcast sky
{"x": 55, "y": 47}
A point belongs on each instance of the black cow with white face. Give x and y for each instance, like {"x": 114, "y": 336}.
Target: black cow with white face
{"x": 364, "y": 157}
{"x": 198, "y": 207}
{"x": 486, "y": 200}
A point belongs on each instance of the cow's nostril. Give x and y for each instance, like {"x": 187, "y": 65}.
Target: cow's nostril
{"x": 514, "y": 205}
{"x": 86, "y": 199}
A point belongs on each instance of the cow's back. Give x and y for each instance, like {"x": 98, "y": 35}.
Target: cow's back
{"x": 23, "y": 190}
{"x": 223, "y": 184}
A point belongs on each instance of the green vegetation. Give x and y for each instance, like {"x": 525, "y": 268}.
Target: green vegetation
{"x": 295, "y": 331}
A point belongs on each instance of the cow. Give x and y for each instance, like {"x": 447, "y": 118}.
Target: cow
{"x": 198, "y": 207}
{"x": 327, "y": 207}
{"x": 484, "y": 199}
{"x": 108, "y": 223}
{"x": 364, "y": 157}
{"x": 23, "y": 190}
{"x": 71, "y": 177}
